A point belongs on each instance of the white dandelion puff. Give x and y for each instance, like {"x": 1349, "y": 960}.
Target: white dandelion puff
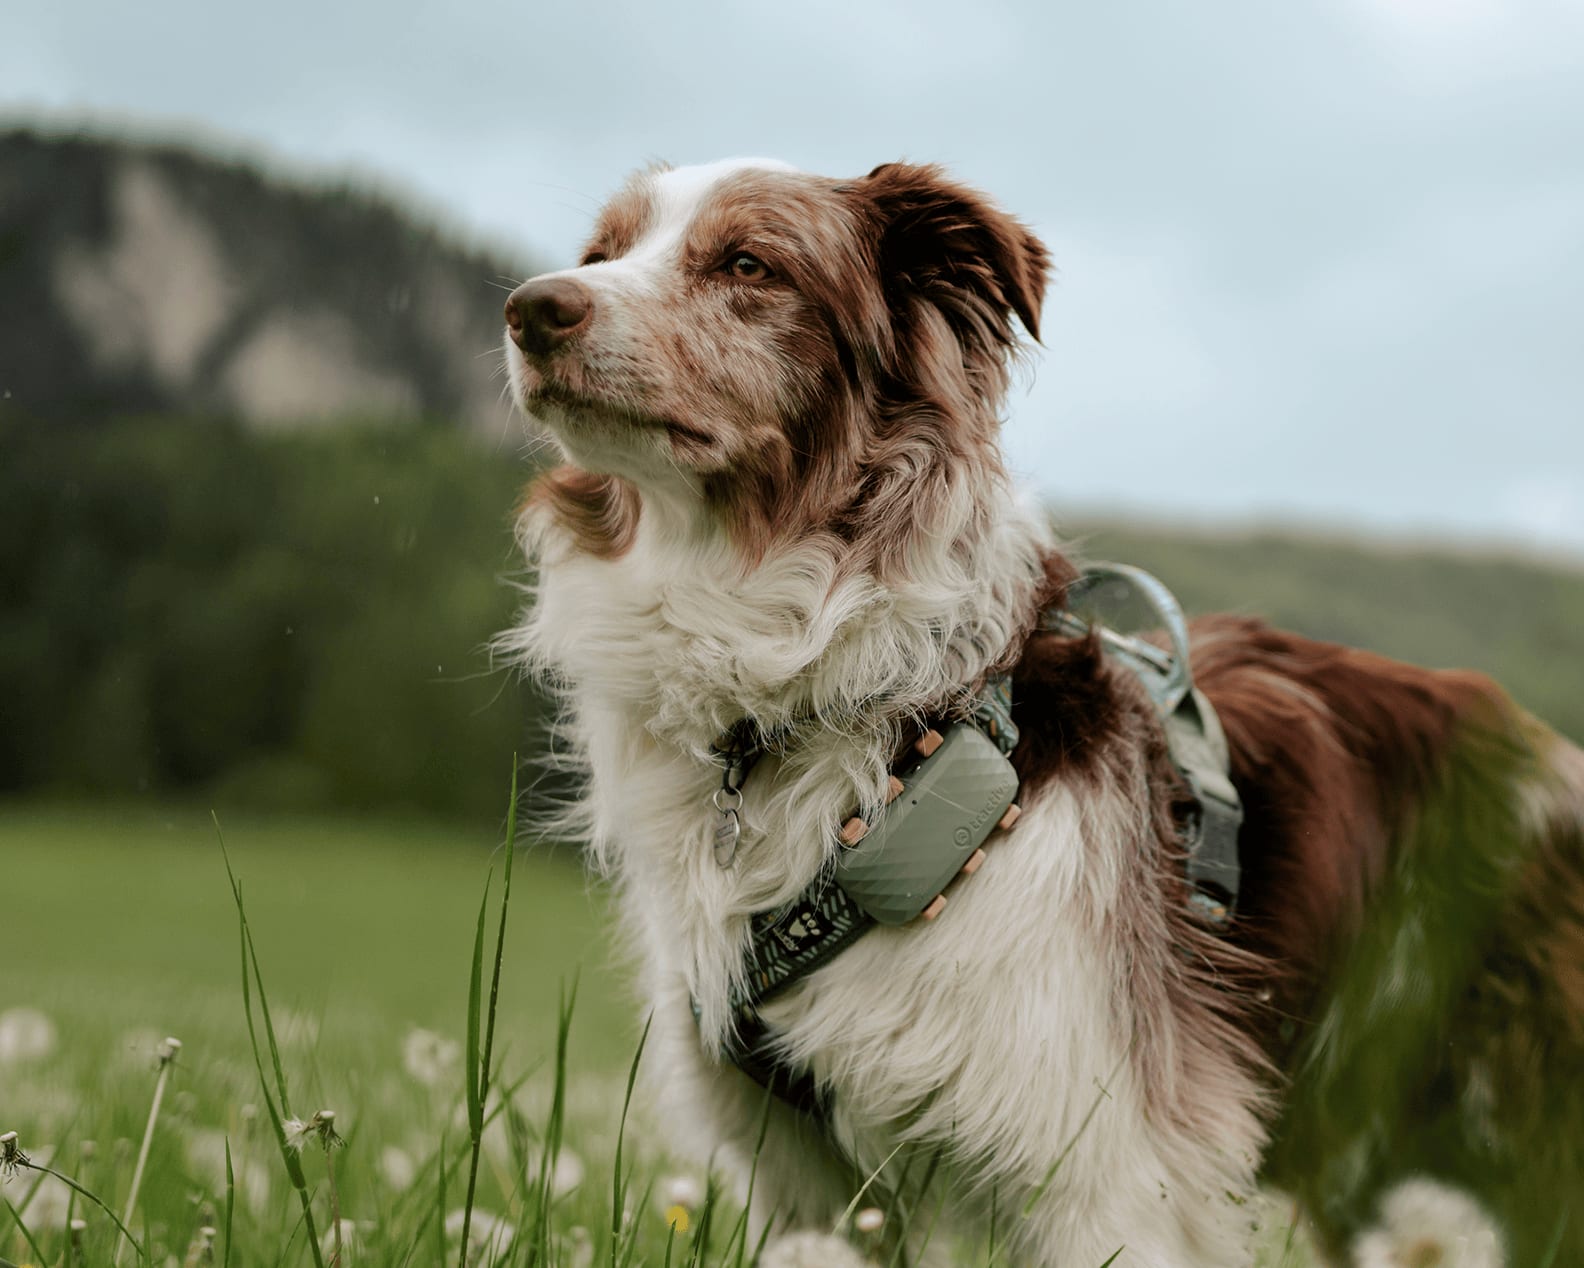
{"x": 200, "y": 1251}
{"x": 397, "y": 1168}
{"x": 350, "y": 1234}
{"x": 489, "y": 1232}
{"x": 682, "y": 1190}
{"x": 812, "y": 1250}
{"x": 25, "y": 1035}
{"x": 298, "y": 1133}
{"x": 205, "y": 1150}
{"x": 431, "y": 1059}
{"x": 566, "y": 1172}
{"x": 1425, "y": 1222}
{"x": 580, "y": 1247}
{"x": 869, "y": 1220}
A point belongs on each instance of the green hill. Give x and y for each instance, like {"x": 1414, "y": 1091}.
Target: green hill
{"x": 1519, "y": 620}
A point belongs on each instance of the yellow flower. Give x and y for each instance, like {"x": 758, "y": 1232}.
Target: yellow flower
{"x": 676, "y": 1218}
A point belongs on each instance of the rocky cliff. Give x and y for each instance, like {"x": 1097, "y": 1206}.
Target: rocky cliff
{"x": 138, "y": 277}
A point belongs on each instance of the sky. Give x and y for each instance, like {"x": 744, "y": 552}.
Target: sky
{"x": 1319, "y": 262}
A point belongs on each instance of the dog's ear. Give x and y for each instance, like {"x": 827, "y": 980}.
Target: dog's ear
{"x": 947, "y": 242}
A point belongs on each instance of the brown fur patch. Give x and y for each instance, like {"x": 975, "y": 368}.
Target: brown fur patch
{"x": 598, "y": 512}
{"x": 1331, "y": 748}
{"x": 623, "y": 220}
{"x": 909, "y": 283}
{"x": 946, "y": 242}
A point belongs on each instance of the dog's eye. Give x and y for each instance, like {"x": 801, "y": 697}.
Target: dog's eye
{"x": 748, "y": 268}
{"x": 594, "y": 257}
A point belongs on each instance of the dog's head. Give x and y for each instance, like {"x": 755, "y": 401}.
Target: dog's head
{"x": 785, "y": 352}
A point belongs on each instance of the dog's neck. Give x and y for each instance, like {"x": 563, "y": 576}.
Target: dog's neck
{"x": 688, "y": 640}
{"x": 669, "y": 645}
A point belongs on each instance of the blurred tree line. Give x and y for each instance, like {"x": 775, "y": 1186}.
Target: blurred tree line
{"x": 299, "y": 619}
{"x": 292, "y": 619}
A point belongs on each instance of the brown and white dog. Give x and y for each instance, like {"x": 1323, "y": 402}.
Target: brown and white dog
{"x": 783, "y": 500}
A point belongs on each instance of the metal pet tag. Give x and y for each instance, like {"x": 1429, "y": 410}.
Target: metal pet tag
{"x": 728, "y": 828}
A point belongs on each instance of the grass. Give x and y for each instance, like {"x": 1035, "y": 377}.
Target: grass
{"x": 440, "y": 1034}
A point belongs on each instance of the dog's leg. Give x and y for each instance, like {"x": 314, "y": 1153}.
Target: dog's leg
{"x": 716, "y": 1114}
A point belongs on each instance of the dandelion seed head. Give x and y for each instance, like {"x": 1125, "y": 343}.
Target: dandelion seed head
{"x": 298, "y": 1133}
{"x": 11, "y": 1155}
{"x": 323, "y": 1126}
{"x": 869, "y": 1220}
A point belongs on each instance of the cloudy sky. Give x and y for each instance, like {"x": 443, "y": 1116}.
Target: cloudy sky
{"x": 1320, "y": 261}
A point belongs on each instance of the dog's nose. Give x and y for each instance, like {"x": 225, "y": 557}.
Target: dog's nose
{"x": 544, "y": 312}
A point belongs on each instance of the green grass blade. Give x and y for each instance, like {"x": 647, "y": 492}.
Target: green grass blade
{"x": 618, "y": 1186}
{"x": 474, "y": 1077}
{"x": 249, "y": 952}
{"x": 631, "y": 1234}
{"x": 16, "y": 1218}
{"x": 230, "y": 1205}
{"x": 94, "y": 1198}
{"x": 1112, "y": 1258}
{"x": 995, "y": 1215}
{"x": 1101, "y": 1096}
{"x": 1555, "y": 1247}
{"x": 475, "y": 1105}
{"x": 764, "y": 1236}
{"x": 701, "y": 1233}
{"x": 500, "y": 937}
{"x": 864, "y": 1188}
{"x": 440, "y": 1201}
{"x": 739, "y": 1237}
{"x": 250, "y": 964}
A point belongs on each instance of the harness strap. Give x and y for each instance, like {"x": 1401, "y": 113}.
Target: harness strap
{"x": 790, "y": 942}
{"x": 1194, "y": 737}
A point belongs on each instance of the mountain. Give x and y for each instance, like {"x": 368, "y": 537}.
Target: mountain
{"x": 140, "y": 277}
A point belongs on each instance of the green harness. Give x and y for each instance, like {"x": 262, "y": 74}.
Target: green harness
{"x": 952, "y": 797}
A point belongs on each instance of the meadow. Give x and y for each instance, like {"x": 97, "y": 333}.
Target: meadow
{"x": 120, "y": 930}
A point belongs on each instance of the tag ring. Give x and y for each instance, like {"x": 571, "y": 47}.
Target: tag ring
{"x": 734, "y": 805}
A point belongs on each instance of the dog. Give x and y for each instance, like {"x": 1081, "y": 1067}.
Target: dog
{"x": 783, "y": 506}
